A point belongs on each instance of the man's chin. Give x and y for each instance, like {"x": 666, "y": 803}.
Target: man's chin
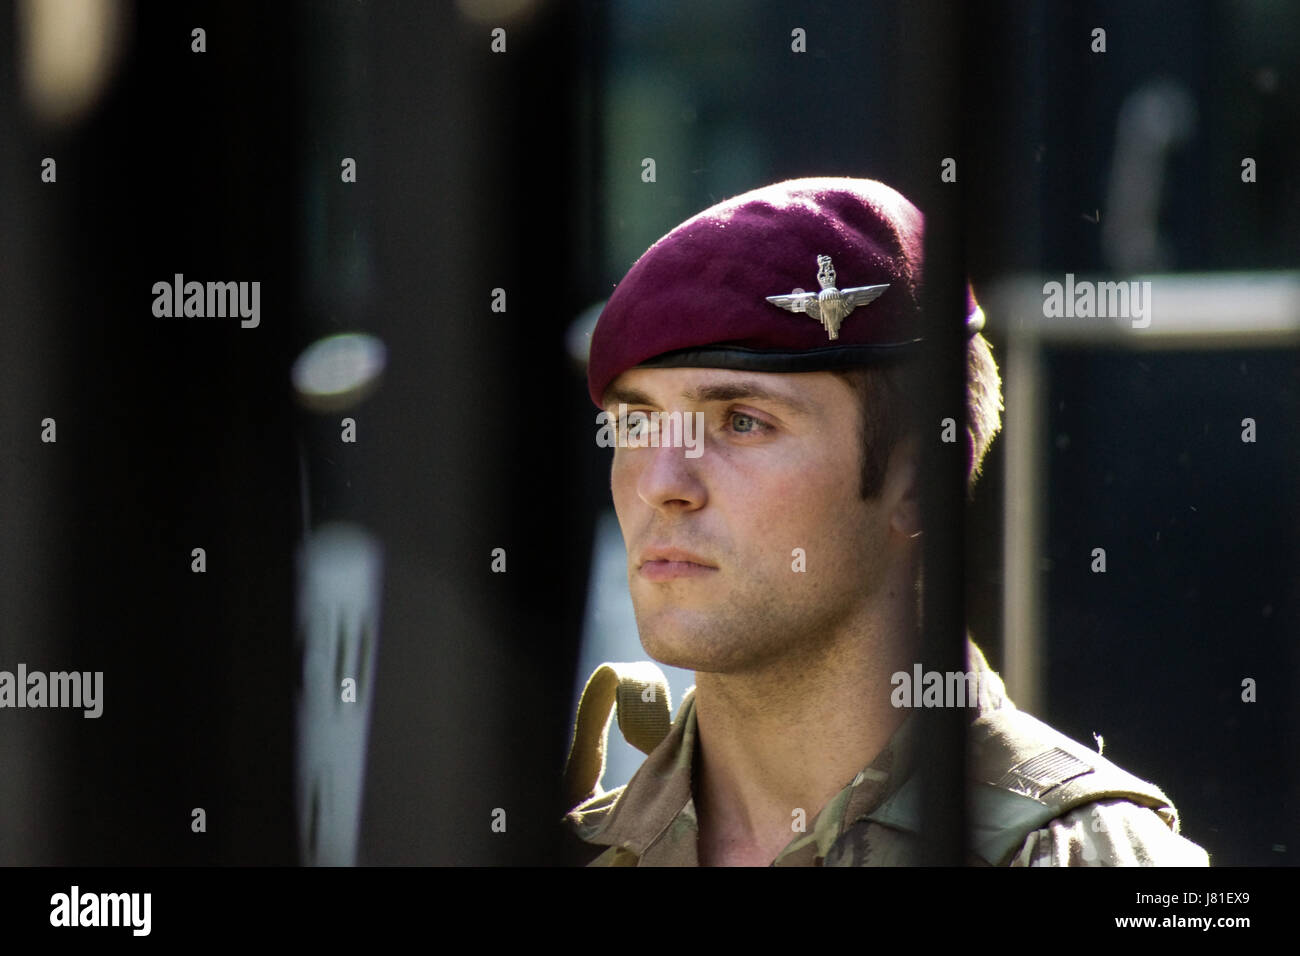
{"x": 674, "y": 643}
{"x": 680, "y": 658}
{"x": 700, "y": 660}
{"x": 693, "y": 647}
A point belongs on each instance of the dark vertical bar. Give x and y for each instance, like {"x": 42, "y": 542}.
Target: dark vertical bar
{"x": 475, "y": 430}
{"x": 933, "y": 82}
{"x": 172, "y": 434}
{"x": 28, "y": 589}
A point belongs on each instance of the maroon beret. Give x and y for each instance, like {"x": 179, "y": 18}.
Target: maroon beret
{"x": 699, "y": 297}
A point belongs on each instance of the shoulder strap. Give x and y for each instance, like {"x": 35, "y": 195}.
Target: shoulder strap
{"x": 638, "y": 692}
{"x": 1023, "y": 775}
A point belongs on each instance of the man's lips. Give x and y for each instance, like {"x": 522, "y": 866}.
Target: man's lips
{"x": 663, "y": 564}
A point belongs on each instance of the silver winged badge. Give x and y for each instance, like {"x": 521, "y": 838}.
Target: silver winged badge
{"x": 830, "y": 306}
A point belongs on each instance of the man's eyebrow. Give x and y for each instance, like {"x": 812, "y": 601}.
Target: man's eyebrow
{"x": 627, "y": 396}
{"x": 720, "y": 392}
{"x": 731, "y": 391}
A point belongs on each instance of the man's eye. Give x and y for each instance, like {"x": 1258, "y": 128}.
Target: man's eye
{"x": 746, "y": 424}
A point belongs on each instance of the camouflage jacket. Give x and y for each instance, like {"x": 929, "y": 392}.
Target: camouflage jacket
{"x": 1038, "y": 799}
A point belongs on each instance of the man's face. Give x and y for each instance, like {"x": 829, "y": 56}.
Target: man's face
{"x": 711, "y": 539}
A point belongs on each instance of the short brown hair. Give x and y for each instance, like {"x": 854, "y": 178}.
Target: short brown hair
{"x": 888, "y": 414}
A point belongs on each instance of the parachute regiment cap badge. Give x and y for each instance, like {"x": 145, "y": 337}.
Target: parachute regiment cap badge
{"x": 830, "y": 306}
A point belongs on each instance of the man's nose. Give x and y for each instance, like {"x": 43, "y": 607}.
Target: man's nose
{"x": 669, "y": 479}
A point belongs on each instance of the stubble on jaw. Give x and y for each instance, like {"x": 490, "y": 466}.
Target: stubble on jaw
{"x": 741, "y": 635}
{"x": 758, "y": 628}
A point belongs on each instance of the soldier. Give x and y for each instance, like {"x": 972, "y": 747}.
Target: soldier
{"x": 776, "y": 555}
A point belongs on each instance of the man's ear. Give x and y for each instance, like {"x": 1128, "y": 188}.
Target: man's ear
{"x": 902, "y": 493}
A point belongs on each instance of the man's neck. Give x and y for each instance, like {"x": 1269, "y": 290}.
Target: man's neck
{"x": 789, "y": 737}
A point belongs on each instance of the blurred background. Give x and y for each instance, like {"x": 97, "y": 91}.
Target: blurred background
{"x": 457, "y": 558}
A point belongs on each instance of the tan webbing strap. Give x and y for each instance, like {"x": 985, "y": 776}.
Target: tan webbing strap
{"x": 638, "y": 693}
